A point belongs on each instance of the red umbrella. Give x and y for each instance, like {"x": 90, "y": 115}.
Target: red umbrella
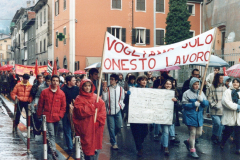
{"x": 62, "y": 70}
{"x": 79, "y": 72}
{"x": 234, "y": 71}
{"x": 6, "y": 67}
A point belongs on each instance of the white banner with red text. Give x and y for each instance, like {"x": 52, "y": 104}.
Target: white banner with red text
{"x": 121, "y": 57}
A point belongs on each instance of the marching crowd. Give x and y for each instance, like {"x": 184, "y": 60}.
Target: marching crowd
{"x": 72, "y": 99}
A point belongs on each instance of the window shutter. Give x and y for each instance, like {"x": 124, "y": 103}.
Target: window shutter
{"x": 133, "y": 36}
{"x": 138, "y": 4}
{"x": 161, "y": 37}
{"x": 158, "y": 37}
{"x": 157, "y": 5}
{"x": 55, "y": 8}
{"x": 109, "y": 30}
{"x": 147, "y": 36}
{"x": 124, "y": 35}
{"x": 162, "y": 5}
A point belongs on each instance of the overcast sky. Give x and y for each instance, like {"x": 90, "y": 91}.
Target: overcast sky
{"x": 8, "y": 9}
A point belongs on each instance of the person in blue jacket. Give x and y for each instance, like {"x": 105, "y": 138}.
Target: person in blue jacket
{"x": 193, "y": 105}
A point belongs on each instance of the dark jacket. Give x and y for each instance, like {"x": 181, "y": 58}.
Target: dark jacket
{"x": 12, "y": 80}
{"x": 35, "y": 89}
{"x": 96, "y": 85}
{"x": 70, "y": 93}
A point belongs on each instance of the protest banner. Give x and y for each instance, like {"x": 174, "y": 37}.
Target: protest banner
{"x": 147, "y": 105}
{"x": 21, "y": 69}
{"x": 121, "y": 57}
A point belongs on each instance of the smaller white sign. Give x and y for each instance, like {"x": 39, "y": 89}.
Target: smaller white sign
{"x": 147, "y": 105}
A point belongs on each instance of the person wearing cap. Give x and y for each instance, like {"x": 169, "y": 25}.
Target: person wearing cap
{"x": 22, "y": 91}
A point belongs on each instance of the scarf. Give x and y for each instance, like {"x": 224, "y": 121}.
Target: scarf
{"x": 235, "y": 96}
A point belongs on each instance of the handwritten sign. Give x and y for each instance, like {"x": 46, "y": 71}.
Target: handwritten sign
{"x": 121, "y": 57}
{"x": 147, "y": 105}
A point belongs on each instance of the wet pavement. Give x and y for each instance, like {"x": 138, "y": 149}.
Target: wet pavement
{"x": 151, "y": 150}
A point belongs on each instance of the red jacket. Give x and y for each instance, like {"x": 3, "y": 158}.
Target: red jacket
{"x": 83, "y": 118}
{"x": 22, "y": 92}
{"x": 51, "y": 104}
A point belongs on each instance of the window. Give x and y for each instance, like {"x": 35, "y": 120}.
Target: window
{"x": 141, "y": 5}
{"x": 191, "y": 8}
{"x": 57, "y": 8}
{"x": 5, "y": 40}
{"x": 44, "y": 45}
{"x": 76, "y": 65}
{"x": 160, "y": 37}
{"x": 36, "y": 48}
{"x": 44, "y": 19}
{"x": 231, "y": 63}
{"x": 192, "y": 33}
{"x": 64, "y": 33}
{"x": 9, "y": 47}
{"x": 40, "y": 46}
{"x": 56, "y": 39}
{"x": 116, "y": 4}
{"x": 160, "y": 6}
{"x": 41, "y": 19}
{"x": 64, "y": 4}
{"x": 37, "y": 22}
{"x": 140, "y": 36}
{"x": 118, "y": 32}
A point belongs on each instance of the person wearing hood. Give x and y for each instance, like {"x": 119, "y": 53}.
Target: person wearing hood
{"x": 83, "y": 118}
{"x": 52, "y": 103}
{"x": 226, "y": 81}
{"x": 214, "y": 94}
{"x": 193, "y": 105}
{"x": 71, "y": 92}
{"x": 231, "y": 115}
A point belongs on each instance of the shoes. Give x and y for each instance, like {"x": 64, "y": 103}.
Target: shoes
{"x": 215, "y": 139}
{"x": 156, "y": 138}
{"x": 140, "y": 153}
{"x": 193, "y": 155}
{"x": 115, "y": 147}
{"x": 166, "y": 151}
{"x": 187, "y": 144}
{"x": 174, "y": 141}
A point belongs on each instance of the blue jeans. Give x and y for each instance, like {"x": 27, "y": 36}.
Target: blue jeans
{"x": 114, "y": 126}
{"x": 165, "y": 135}
{"x": 217, "y": 125}
{"x": 156, "y": 129}
{"x": 67, "y": 131}
{"x": 172, "y": 130}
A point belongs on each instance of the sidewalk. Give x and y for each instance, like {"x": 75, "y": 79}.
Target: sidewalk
{"x": 36, "y": 143}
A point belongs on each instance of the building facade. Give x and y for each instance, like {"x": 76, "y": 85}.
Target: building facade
{"x": 5, "y": 48}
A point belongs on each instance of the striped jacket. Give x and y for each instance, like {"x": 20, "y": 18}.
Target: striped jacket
{"x": 113, "y": 99}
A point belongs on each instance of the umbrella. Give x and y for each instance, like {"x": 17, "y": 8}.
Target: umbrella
{"x": 79, "y": 72}
{"x": 62, "y": 70}
{"x": 215, "y": 61}
{"x": 234, "y": 71}
{"x": 94, "y": 65}
{"x": 6, "y": 67}
{"x": 170, "y": 68}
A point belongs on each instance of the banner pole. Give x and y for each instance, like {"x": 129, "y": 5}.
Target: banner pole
{"x": 206, "y": 68}
{"x": 100, "y": 79}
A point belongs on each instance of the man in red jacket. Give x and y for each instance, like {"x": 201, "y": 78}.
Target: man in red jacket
{"x": 52, "y": 103}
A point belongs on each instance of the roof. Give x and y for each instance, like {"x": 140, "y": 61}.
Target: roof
{"x": 9, "y": 37}
{"x": 39, "y": 5}
{"x": 17, "y": 14}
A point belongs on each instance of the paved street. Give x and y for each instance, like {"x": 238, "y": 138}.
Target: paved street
{"x": 16, "y": 149}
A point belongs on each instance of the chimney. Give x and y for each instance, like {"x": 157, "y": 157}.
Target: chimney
{"x": 33, "y": 2}
{"x": 28, "y": 3}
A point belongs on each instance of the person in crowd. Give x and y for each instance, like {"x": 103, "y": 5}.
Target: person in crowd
{"x": 150, "y": 82}
{"x": 1, "y": 78}
{"x": 140, "y": 131}
{"x": 226, "y": 81}
{"x": 210, "y": 77}
{"x": 231, "y": 115}
{"x": 71, "y": 92}
{"x": 164, "y": 76}
{"x": 93, "y": 76}
{"x": 13, "y": 80}
{"x": 5, "y": 83}
{"x": 131, "y": 83}
{"x": 177, "y": 106}
{"x": 52, "y": 103}
{"x": 62, "y": 78}
{"x": 44, "y": 85}
{"x": 22, "y": 92}
{"x": 193, "y": 104}
{"x": 126, "y": 80}
{"x": 195, "y": 73}
{"x": 70, "y": 73}
{"x": 35, "y": 87}
{"x": 121, "y": 81}
{"x": 91, "y": 132}
{"x": 77, "y": 76}
{"x": 214, "y": 94}
{"x": 154, "y": 78}
{"x": 83, "y": 76}
{"x": 32, "y": 78}
{"x": 167, "y": 84}
{"x": 113, "y": 96}
{"x": 78, "y": 82}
